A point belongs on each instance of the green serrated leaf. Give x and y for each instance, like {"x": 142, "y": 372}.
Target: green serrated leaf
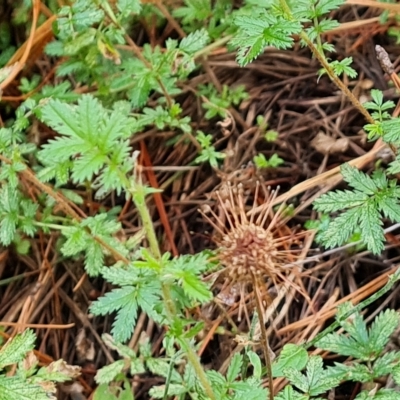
{"x": 296, "y": 378}
{"x": 195, "y": 41}
{"x": 123, "y": 351}
{"x": 341, "y": 228}
{"x": 16, "y": 348}
{"x": 256, "y": 363}
{"x": 381, "y": 329}
{"x": 318, "y": 381}
{"x": 260, "y": 30}
{"x": 103, "y": 392}
{"x": 341, "y": 344}
{"x": 289, "y": 394}
{"x": 358, "y": 180}
{"x": 15, "y": 388}
{"x": 124, "y": 301}
{"x": 195, "y": 288}
{"x": 108, "y": 373}
{"x": 93, "y": 141}
{"x": 371, "y": 229}
{"x": 194, "y": 10}
{"x": 385, "y": 364}
{"x": 396, "y": 374}
{"x": 339, "y": 200}
{"x": 391, "y": 130}
{"x": 76, "y": 241}
{"x": 355, "y": 372}
{"x": 94, "y": 258}
{"x": 377, "y": 96}
{"x": 389, "y": 206}
{"x": 357, "y": 328}
{"x": 185, "y": 270}
{"x": 174, "y": 389}
{"x": 162, "y": 367}
{"x": 293, "y": 356}
{"x": 323, "y": 7}
{"x": 234, "y": 367}
{"x": 61, "y": 117}
{"x": 129, "y": 6}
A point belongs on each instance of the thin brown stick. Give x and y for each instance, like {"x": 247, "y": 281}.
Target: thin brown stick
{"x": 376, "y": 4}
{"x": 22, "y": 326}
{"x": 20, "y": 64}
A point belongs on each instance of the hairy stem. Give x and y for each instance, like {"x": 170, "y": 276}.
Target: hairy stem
{"x": 265, "y": 343}
{"x": 344, "y": 89}
{"x": 195, "y": 362}
{"x": 138, "y": 197}
{"x": 321, "y": 58}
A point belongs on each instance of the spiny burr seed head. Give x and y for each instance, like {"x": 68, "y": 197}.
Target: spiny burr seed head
{"x": 247, "y": 249}
{"x": 247, "y": 245}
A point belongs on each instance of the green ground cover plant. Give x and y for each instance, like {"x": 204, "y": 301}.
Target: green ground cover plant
{"x": 29, "y": 381}
{"x": 128, "y": 89}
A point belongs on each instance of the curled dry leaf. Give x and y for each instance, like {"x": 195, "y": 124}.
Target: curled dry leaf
{"x": 30, "y": 361}
{"x": 84, "y": 347}
{"x": 60, "y": 366}
{"x": 366, "y": 84}
{"x": 327, "y": 145}
{"x": 50, "y": 388}
{"x": 228, "y": 296}
{"x": 225, "y": 125}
